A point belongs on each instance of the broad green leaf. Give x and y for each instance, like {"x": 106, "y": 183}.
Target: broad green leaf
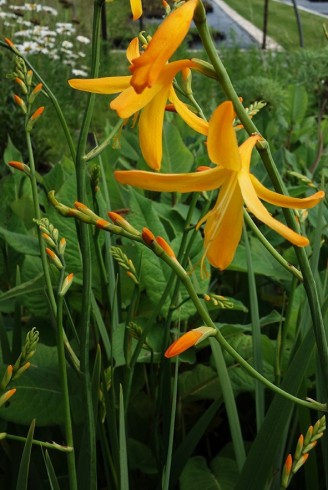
{"x": 176, "y": 156}
{"x": 24, "y": 244}
{"x": 296, "y": 104}
{"x": 141, "y": 457}
{"x": 263, "y": 262}
{"x": 226, "y": 472}
{"x": 199, "y": 383}
{"x": 39, "y": 393}
{"x": 197, "y": 475}
{"x": 11, "y": 152}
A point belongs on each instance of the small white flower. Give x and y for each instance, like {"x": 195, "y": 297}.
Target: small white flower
{"x": 50, "y": 10}
{"x": 83, "y": 39}
{"x": 79, "y": 73}
{"x": 67, "y": 45}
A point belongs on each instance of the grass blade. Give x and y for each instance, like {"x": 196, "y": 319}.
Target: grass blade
{"x": 24, "y": 466}
{"x": 51, "y": 472}
{"x": 124, "y": 473}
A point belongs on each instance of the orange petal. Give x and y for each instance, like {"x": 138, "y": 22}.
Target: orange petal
{"x": 224, "y": 225}
{"x": 196, "y": 181}
{"x": 133, "y": 50}
{"x": 183, "y": 343}
{"x": 257, "y": 208}
{"x": 129, "y": 102}
{"x": 245, "y": 151}
{"x": 222, "y": 143}
{"x": 151, "y": 129}
{"x": 165, "y": 41}
{"x": 195, "y": 122}
{"x": 285, "y": 201}
{"x": 106, "y": 85}
{"x": 136, "y": 9}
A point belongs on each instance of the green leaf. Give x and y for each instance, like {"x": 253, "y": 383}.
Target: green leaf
{"x": 24, "y": 466}
{"x": 297, "y": 104}
{"x": 11, "y": 152}
{"x": 124, "y": 472}
{"x": 39, "y": 393}
{"x": 200, "y": 383}
{"x": 24, "y": 244}
{"x": 51, "y": 472}
{"x": 226, "y": 472}
{"x": 263, "y": 262}
{"x": 176, "y": 156}
{"x": 197, "y": 475}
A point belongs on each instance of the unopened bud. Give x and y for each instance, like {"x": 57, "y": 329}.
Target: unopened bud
{"x": 165, "y": 246}
{"x": 186, "y": 81}
{"x": 147, "y": 236}
{"x": 35, "y": 92}
{"x": 67, "y": 284}
{"x": 62, "y": 246}
{"x": 6, "y": 377}
{"x": 21, "y": 370}
{"x": 123, "y": 223}
{"x": 5, "y": 397}
{"x": 103, "y": 224}
{"x": 20, "y": 166}
{"x": 54, "y": 258}
{"x": 49, "y": 240}
{"x": 29, "y": 76}
{"x": 18, "y": 101}
{"x": 22, "y": 85}
{"x": 300, "y": 462}
{"x": 85, "y": 210}
{"x": 35, "y": 116}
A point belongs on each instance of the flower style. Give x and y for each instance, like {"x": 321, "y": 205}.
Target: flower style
{"x": 232, "y": 174}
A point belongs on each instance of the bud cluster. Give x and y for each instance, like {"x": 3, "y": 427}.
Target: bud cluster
{"x": 304, "y": 445}
{"x": 125, "y": 263}
{"x": 55, "y": 250}
{"x": 29, "y": 91}
{"x": 13, "y": 372}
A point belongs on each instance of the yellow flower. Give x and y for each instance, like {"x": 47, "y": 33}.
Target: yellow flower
{"x": 232, "y": 174}
{"x": 151, "y": 102}
{"x": 147, "y": 68}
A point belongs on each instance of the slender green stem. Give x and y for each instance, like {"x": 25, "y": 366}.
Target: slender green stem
{"x": 65, "y": 388}
{"x": 84, "y": 238}
{"x": 36, "y": 442}
{"x": 44, "y": 261}
{"x": 167, "y": 468}
{"x": 100, "y": 148}
{"x": 264, "y": 151}
{"x": 256, "y": 333}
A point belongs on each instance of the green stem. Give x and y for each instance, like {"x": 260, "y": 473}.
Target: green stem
{"x": 44, "y": 261}
{"x": 100, "y": 148}
{"x": 84, "y": 238}
{"x": 256, "y": 333}
{"x": 36, "y": 442}
{"x": 65, "y": 389}
{"x": 264, "y": 151}
{"x": 167, "y": 468}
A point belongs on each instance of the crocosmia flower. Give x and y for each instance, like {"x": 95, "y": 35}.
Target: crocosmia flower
{"x": 231, "y": 174}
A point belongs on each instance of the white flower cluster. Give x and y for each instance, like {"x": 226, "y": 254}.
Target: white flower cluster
{"x": 60, "y": 42}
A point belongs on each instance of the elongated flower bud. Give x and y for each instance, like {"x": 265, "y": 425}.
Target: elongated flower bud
{"x": 147, "y": 236}
{"x": 5, "y": 397}
{"x": 35, "y": 116}
{"x": 118, "y": 220}
{"x": 18, "y": 101}
{"x": 67, "y": 284}
{"x": 54, "y": 258}
{"x": 6, "y": 377}
{"x": 35, "y": 92}
{"x": 22, "y": 85}
{"x": 20, "y": 166}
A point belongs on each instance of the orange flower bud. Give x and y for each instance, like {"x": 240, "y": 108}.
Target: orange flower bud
{"x": 21, "y": 370}
{"x": 67, "y": 284}
{"x": 165, "y": 246}
{"x": 189, "y": 339}
{"x": 147, "y": 236}
{"x": 54, "y": 258}
{"x": 6, "y": 377}
{"x": 48, "y": 239}
{"x": 19, "y": 166}
{"x": 35, "y": 92}
{"x": 9, "y": 42}
{"x": 5, "y": 397}
{"x": 102, "y": 223}
{"x": 37, "y": 113}
{"x": 62, "y": 246}
{"x": 22, "y": 85}
{"x": 18, "y": 101}
{"x": 118, "y": 220}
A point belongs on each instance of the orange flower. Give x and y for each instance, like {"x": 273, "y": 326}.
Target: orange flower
{"x": 151, "y": 102}
{"x": 232, "y": 174}
{"x": 187, "y": 340}
{"x": 147, "y": 68}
